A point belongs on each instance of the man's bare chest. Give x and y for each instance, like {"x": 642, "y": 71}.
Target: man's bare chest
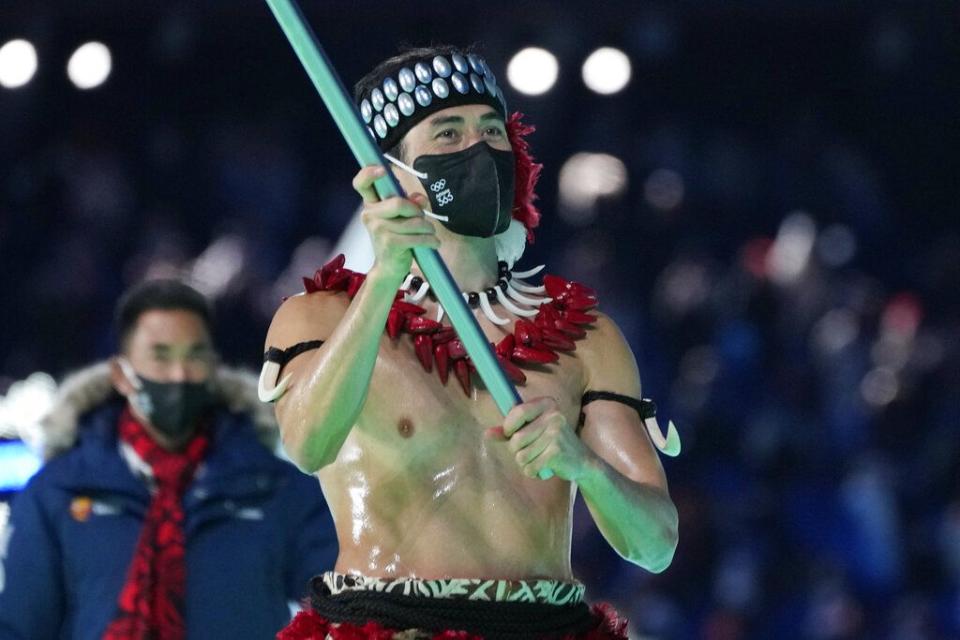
{"x": 417, "y": 404}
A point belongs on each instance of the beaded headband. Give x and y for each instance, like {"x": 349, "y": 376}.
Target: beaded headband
{"x": 411, "y": 91}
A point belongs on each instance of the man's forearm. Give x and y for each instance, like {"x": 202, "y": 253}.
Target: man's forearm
{"x": 324, "y": 404}
{"x": 638, "y": 520}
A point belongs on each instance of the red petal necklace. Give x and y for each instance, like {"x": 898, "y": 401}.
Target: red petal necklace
{"x": 538, "y": 334}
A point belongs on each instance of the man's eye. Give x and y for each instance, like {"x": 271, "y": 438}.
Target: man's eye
{"x": 447, "y": 133}
{"x": 494, "y": 131}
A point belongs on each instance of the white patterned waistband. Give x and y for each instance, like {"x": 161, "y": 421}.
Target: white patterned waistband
{"x": 553, "y": 592}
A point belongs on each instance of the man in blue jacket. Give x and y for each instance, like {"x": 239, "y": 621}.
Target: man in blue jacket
{"x": 161, "y": 512}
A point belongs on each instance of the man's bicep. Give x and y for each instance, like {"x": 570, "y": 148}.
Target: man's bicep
{"x": 615, "y": 432}
{"x": 300, "y": 327}
{"x": 611, "y": 428}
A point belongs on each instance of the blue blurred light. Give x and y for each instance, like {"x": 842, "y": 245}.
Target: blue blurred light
{"x": 17, "y": 465}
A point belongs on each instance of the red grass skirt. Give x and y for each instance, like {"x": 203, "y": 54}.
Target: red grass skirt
{"x": 309, "y": 625}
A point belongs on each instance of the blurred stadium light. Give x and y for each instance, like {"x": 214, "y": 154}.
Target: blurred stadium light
{"x": 25, "y": 402}
{"x": 586, "y": 177}
{"x": 790, "y": 253}
{"x": 21, "y": 408}
{"x": 18, "y": 463}
{"x": 18, "y": 63}
{"x": 664, "y": 189}
{"x": 836, "y": 245}
{"x": 533, "y": 71}
{"x": 90, "y": 65}
{"x": 606, "y": 71}
{"x": 214, "y": 270}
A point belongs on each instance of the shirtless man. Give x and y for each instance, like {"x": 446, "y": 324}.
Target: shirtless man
{"x": 444, "y": 521}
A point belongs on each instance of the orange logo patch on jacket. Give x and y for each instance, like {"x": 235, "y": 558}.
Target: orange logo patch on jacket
{"x": 80, "y": 508}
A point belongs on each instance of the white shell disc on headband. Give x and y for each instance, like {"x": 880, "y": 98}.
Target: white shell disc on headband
{"x": 424, "y": 72}
{"x": 460, "y": 63}
{"x": 380, "y": 125}
{"x": 390, "y": 89}
{"x": 445, "y": 79}
{"x": 408, "y": 81}
{"x": 475, "y": 63}
{"x": 376, "y": 98}
{"x": 459, "y": 82}
{"x": 405, "y": 103}
{"x": 391, "y": 115}
{"x": 442, "y": 67}
{"x": 423, "y": 96}
{"x": 440, "y": 87}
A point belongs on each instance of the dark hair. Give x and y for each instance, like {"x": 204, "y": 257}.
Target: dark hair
{"x": 407, "y": 54}
{"x": 166, "y": 295}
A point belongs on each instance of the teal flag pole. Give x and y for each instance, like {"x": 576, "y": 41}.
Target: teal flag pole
{"x": 347, "y": 119}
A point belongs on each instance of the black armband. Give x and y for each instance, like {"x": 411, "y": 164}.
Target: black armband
{"x": 283, "y": 356}
{"x": 645, "y": 407}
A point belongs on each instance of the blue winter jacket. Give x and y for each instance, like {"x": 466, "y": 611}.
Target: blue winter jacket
{"x": 256, "y": 528}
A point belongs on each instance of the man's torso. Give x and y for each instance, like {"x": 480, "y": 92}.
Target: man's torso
{"x": 417, "y": 488}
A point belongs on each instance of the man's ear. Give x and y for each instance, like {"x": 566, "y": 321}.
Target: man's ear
{"x": 119, "y": 380}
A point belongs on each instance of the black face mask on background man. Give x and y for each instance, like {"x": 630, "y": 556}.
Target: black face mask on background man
{"x": 470, "y": 191}
{"x": 174, "y": 408}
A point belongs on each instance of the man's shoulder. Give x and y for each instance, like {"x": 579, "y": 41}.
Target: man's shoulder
{"x": 603, "y": 333}
{"x": 306, "y": 316}
{"x": 77, "y": 447}
{"x": 311, "y": 306}
{"x": 92, "y": 430}
{"x": 326, "y": 296}
{"x": 607, "y": 356}
{"x": 55, "y": 474}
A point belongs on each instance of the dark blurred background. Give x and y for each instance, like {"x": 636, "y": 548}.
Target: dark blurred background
{"x": 769, "y": 209}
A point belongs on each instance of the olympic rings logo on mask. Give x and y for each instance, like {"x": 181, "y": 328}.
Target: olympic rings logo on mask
{"x": 443, "y": 197}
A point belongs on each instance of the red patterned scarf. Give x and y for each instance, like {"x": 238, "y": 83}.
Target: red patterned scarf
{"x": 151, "y": 602}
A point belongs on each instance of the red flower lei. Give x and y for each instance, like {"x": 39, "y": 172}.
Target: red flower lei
{"x": 556, "y": 326}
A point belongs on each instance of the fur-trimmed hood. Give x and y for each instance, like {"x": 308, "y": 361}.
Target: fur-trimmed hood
{"x": 90, "y": 387}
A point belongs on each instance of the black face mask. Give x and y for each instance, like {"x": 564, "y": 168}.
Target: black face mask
{"x": 472, "y": 188}
{"x": 174, "y": 408}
